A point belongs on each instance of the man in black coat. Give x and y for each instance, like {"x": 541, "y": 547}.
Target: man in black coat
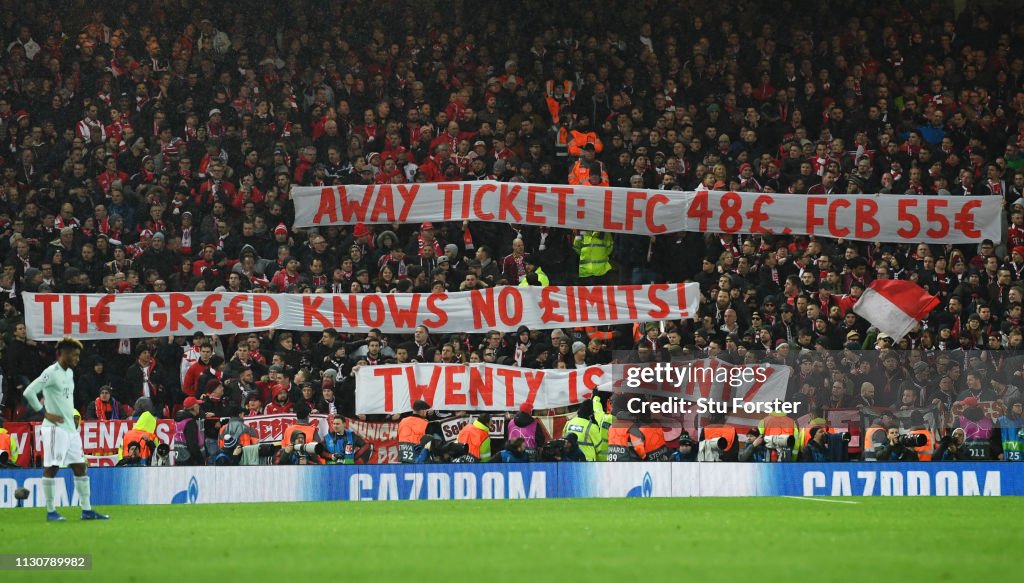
{"x": 143, "y": 379}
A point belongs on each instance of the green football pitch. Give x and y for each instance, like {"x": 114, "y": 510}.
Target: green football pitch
{"x": 708, "y": 539}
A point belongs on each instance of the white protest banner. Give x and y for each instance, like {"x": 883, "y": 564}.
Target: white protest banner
{"x": 393, "y": 389}
{"x": 505, "y": 308}
{"x": 883, "y": 218}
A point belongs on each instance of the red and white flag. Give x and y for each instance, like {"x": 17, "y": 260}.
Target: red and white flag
{"x": 895, "y": 306}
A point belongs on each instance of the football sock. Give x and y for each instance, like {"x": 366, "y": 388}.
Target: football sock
{"x": 48, "y": 493}
{"x": 82, "y": 488}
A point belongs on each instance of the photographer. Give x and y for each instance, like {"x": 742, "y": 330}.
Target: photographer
{"x": 458, "y": 453}
{"x": 295, "y": 453}
{"x": 897, "y": 448}
{"x": 431, "y": 449}
{"x": 233, "y": 438}
{"x": 302, "y": 425}
{"x": 816, "y": 449}
{"x": 754, "y": 450}
{"x": 687, "y": 450}
{"x": 566, "y": 449}
{"x": 143, "y": 434}
{"x": 230, "y": 453}
{"x": 515, "y": 452}
{"x": 132, "y": 458}
{"x": 951, "y": 447}
{"x": 343, "y": 446}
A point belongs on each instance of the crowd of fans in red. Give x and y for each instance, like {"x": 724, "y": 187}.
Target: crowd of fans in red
{"x": 152, "y": 146}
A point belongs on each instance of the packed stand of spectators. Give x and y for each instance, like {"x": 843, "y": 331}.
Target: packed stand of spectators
{"x": 153, "y": 147}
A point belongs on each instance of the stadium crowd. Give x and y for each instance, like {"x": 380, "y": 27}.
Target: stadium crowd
{"x": 153, "y": 147}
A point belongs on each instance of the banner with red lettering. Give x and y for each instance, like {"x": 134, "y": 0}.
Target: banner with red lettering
{"x": 101, "y": 316}
{"x": 270, "y": 428}
{"x": 390, "y": 389}
{"x": 451, "y": 427}
{"x": 382, "y": 436}
{"x": 883, "y": 218}
{"x": 101, "y": 440}
{"x": 393, "y": 389}
{"x": 23, "y": 434}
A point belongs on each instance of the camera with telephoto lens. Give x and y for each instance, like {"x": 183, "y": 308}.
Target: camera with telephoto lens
{"x": 309, "y": 449}
{"x": 779, "y": 441}
{"x": 161, "y": 454}
{"x": 433, "y": 443}
{"x": 553, "y": 451}
{"x": 711, "y": 450}
{"x": 718, "y": 446}
{"x": 912, "y": 440}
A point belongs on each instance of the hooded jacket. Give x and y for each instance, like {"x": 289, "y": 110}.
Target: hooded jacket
{"x": 144, "y": 430}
